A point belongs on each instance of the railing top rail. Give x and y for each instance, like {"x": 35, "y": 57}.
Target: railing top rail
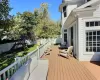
{"x": 9, "y": 67}
{"x": 32, "y": 52}
{"x": 25, "y": 57}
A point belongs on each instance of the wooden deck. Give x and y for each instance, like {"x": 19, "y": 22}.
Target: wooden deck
{"x": 66, "y": 69}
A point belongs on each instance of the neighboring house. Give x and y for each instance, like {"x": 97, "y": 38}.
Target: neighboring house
{"x": 81, "y": 22}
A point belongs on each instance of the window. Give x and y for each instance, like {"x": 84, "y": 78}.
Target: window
{"x": 64, "y": 11}
{"x": 65, "y": 37}
{"x": 65, "y": 30}
{"x": 88, "y": 0}
{"x": 92, "y": 23}
{"x": 87, "y": 24}
{"x": 93, "y": 41}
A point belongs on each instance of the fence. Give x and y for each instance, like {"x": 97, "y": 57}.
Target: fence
{"x": 10, "y": 70}
{"x": 35, "y": 55}
{"x": 6, "y": 47}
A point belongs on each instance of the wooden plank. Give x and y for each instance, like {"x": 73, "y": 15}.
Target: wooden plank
{"x": 66, "y": 69}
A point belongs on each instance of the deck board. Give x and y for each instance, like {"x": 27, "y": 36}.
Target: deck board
{"x": 66, "y": 69}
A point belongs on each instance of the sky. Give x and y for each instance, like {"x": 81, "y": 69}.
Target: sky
{"x": 30, "y": 5}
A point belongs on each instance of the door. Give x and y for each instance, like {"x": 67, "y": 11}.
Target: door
{"x": 65, "y": 37}
{"x": 71, "y": 36}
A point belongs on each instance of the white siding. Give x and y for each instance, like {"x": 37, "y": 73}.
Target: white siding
{"x": 81, "y": 38}
{"x": 70, "y": 8}
{"x": 75, "y": 39}
{"x": 83, "y": 55}
{"x": 97, "y": 12}
{"x": 68, "y": 36}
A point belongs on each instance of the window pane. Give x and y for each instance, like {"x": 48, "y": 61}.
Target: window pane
{"x": 87, "y": 49}
{"x": 90, "y": 38}
{"x": 98, "y": 38}
{"x": 88, "y": 0}
{"x": 96, "y": 23}
{"x": 64, "y": 14}
{"x": 65, "y": 30}
{"x": 94, "y": 38}
{"x": 99, "y": 23}
{"x": 87, "y": 38}
{"x": 98, "y": 32}
{"x": 94, "y": 43}
{"x": 94, "y": 49}
{"x": 90, "y": 43}
{"x": 87, "y": 34}
{"x": 90, "y": 33}
{"x": 87, "y": 24}
{"x": 64, "y": 9}
{"x": 94, "y": 32}
{"x": 98, "y": 43}
{"x": 91, "y": 23}
{"x": 98, "y": 49}
{"x": 90, "y": 49}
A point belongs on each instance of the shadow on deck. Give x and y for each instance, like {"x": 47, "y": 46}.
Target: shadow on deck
{"x": 66, "y": 69}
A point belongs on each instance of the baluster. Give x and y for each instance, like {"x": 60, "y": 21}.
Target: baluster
{"x": 8, "y": 74}
{"x": 12, "y": 71}
{"x": 15, "y": 68}
{"x": 0, "y": 77}
{"x": 4, "y": 76}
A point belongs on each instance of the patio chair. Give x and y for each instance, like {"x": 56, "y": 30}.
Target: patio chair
{"x": 47, "y": 52}
{"x": 67, "y": 53}
{"x": 63, "y": 51}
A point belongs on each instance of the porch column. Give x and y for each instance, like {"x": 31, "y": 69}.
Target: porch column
{"x": 69, "y": 36}
{"x": 62, "y": 36}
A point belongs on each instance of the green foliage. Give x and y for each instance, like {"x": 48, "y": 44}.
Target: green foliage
{"x": 8, "y": 58}
{"x": 46, "y": 28}
{"x": 36, "y": 24}
{"x": 6, "y": 20}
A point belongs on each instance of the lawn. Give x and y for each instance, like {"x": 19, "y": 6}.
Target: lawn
{"x": 9, "y": 57}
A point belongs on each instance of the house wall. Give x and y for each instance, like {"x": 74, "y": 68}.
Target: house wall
{"x": 97, "y": 12}
{"x": 70, "y": 7}
{"x": 83, "y": 55}
{"x": 68, "y": 10}
{"x": 75, "y": 38}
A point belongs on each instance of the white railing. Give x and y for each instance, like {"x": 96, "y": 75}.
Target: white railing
{"x": 10, "y": 70}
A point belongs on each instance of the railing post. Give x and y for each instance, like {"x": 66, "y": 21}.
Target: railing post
{"x": 38, "y": 55}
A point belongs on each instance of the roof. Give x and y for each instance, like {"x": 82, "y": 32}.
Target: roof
{"x": 68, "y": 2}
{"x": 82, "y": 8}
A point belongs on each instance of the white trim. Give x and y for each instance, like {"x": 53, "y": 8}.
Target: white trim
{"x": 89, "y": 3}
{"x": 91, "y": 53}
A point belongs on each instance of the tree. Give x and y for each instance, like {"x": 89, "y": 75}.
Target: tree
{"x": 28, "y": 23}
{"x": 6, "y": 20}
{"x": 46, "y": 27}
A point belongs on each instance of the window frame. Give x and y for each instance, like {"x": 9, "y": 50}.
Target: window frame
{"x": 90, "y": 47}
{"x": 64, "y": 11}
{"x": 92, "y": 23}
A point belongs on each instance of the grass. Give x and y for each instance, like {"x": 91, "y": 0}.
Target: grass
{"x": 27, "y": 50}
{"x": 7, "y": 58}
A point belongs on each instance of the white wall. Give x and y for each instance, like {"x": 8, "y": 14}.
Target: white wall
{"x": 97, "y": 12}
{"x": 83, "y": 55}
{"x": 70, "y": 8}
{"x": 6, "y": 47}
